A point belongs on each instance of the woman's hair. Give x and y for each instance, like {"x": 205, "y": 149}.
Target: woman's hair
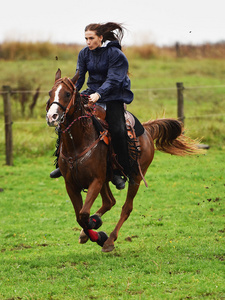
{"x": 110, "y": 31}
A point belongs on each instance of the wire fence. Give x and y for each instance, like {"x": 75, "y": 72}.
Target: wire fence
{"x": 136, "y": 91}
{"x": 141, "y": 89}
{"x": 202, "y": 111}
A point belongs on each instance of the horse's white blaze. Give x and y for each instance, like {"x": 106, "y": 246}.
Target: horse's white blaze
{"x": 54, "y": 107}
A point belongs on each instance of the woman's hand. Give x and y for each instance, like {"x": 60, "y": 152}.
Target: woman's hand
{"x": 94, "y": 97}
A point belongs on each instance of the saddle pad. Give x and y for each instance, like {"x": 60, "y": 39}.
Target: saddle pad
{"x": 135, "y": 123}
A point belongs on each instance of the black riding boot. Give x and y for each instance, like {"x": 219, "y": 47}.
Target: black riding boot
{"x": 118, "y": 180}
{"x": 117, "y": 129}
{"x": 56, "y": 173}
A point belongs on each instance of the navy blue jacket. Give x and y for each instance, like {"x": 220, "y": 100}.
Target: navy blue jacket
{"x": 107, "y": 68}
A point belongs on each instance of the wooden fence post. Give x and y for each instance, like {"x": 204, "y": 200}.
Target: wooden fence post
{"x": 180, "y": 102}
{"x": 8, "y": 126}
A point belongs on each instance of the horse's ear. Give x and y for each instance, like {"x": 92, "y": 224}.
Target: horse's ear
{"x": 58, "y": 75}
{"x": 75, "y": 77}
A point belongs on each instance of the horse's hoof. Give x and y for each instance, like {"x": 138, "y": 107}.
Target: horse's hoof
{"x": 83, "y": 238}
{"x": 107, "y": 248}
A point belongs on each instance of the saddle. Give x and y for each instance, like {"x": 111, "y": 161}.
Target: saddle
{"x": 134, "y": 130}
{"x": 133, "y": 125}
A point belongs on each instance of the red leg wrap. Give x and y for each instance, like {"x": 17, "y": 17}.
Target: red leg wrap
{"x": 93, "y": 235}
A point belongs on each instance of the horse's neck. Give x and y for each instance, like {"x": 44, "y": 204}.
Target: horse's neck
{"x": 78, "y": 138}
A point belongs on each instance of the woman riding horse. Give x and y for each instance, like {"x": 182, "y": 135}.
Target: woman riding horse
{"x": 108, "y": 86}
{"x": 83, "y": 157}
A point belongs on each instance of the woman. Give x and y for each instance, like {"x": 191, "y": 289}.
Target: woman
{"x": 108, "y": 84}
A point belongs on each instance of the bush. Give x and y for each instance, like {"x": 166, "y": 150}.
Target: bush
{"x": 40, "y": 50}
{"x": 29, "y": 51}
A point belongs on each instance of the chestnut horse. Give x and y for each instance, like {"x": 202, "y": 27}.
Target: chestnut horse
{"x": 83, "y": 157}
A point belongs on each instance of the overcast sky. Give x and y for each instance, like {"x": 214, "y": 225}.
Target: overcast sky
{"x": 162, "y": 22}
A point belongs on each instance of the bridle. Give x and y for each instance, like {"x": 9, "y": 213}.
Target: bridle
{"x": 71, "y": 86}
{"x": 59, "y": 104}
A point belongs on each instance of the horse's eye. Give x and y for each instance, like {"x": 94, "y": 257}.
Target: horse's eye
{"x": 68, "y": 94}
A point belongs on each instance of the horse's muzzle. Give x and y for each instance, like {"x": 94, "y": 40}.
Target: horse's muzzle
{"x": 53, "y": 120}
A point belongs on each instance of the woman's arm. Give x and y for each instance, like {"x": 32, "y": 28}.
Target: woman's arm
{"x": 117, "y": 72}
{"x": 82, "y": 68}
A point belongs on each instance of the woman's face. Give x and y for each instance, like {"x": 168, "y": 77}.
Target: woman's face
{"x": 93, "y": 40}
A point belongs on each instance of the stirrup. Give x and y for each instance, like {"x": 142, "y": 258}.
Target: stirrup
{"x": 118, "y": 181}
{"x": 56, "y": 173}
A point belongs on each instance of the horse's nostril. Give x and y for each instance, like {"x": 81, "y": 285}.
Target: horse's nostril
{"x": 55, "y": 116}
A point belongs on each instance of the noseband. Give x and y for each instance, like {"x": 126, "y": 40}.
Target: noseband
{"x": 59, "y": 104}
{"x": 68, "y": 82}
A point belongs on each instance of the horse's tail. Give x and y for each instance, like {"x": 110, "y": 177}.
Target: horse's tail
{"x": 168, "y": 137}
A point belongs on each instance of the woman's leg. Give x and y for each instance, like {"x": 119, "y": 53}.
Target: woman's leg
{"x": 117, "y": 128}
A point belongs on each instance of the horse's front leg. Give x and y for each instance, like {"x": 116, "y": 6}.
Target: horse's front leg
{"x": 108, "y": 201}
{"x": 76, "y": 198}
{"x": 92, "y": 193}
{"x": 83, "y": 212}
{"x": 87, "y": 222}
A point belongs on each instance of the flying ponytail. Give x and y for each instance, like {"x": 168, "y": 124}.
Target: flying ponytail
{"x": 110, "y": 31}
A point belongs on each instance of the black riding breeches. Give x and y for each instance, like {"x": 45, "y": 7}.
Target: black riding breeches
{"x": 117, "y": 128}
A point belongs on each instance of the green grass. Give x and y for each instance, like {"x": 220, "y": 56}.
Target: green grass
{"x": 171, "y": 247}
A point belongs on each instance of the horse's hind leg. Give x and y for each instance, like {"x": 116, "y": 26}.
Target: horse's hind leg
{"x": 107, "y": 202}
{"x": 107, "y": 199}
{"x": 126, "y": 210}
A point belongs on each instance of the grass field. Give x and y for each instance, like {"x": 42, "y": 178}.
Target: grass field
{"x": 171, "y": 247}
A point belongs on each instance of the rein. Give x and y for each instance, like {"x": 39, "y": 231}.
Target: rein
{"x": 88, "y": 115}
{"x": 72, "y": 88}
{"x": 75, "y": 120}
{"x": 72, "y": 160}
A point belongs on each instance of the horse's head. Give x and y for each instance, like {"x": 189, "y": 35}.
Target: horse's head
{"x": 62, "y": 97}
